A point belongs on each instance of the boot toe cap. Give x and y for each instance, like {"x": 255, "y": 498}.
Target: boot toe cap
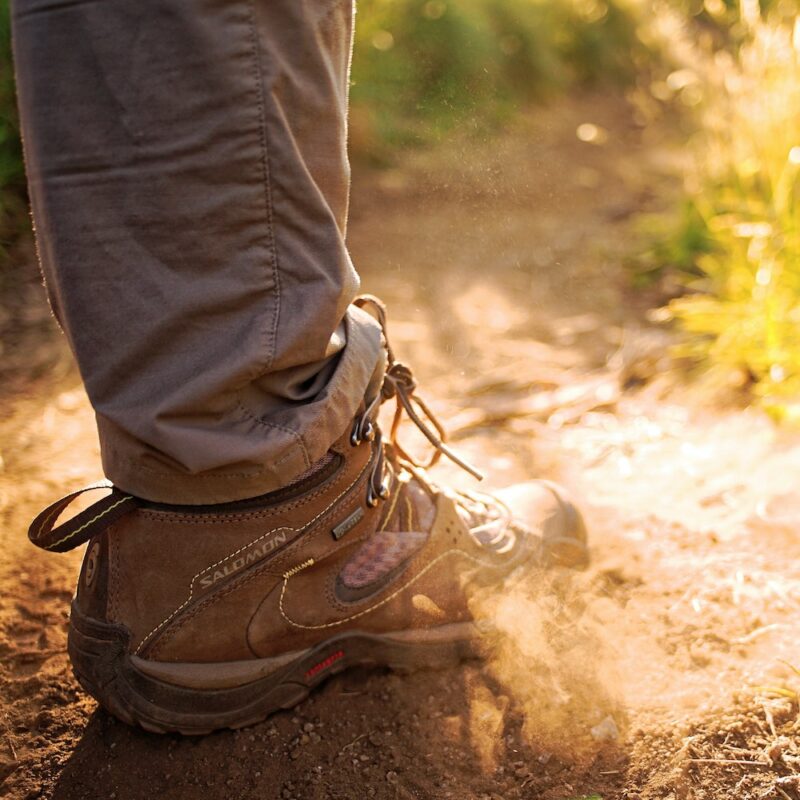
{"x": 548, "y": 511}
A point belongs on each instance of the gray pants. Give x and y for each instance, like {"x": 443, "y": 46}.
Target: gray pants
{"x": 189, "y": 181}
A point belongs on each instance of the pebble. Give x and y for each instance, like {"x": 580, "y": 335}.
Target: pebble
{"x": 605, "y": 731}
{"x": 775, "y": 751}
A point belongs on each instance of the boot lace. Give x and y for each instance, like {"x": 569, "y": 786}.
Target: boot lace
{"x": 398, "y": 384}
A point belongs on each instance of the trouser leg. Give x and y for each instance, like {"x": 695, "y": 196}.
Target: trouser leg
{"x": 189, "y": 183}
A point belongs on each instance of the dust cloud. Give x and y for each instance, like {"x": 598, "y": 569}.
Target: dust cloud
{"x": 689, "y": 606}
{"x": 549, "y": 660}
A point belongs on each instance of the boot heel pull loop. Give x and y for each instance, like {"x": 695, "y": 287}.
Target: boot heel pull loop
{"x": 82, "y": 527}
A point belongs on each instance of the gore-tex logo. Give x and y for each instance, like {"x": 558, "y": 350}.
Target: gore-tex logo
{"x": 248, "y": 555}
{"x": 348, "y": 524}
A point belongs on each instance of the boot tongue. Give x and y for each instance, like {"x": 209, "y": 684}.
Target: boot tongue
{"x": 379, "y": 555}
{"x": 403, "y": 531}
{"x": 411, "y": 509}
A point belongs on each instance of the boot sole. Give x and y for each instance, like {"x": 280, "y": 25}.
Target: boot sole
{"x": 110, "y": 674}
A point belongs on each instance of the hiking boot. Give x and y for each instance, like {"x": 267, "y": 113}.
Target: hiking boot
{"x": 192, "y": 618}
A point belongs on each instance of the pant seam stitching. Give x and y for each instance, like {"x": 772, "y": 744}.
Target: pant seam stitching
{"x": 293, "y": 433}
{"x": 266, "y": 174}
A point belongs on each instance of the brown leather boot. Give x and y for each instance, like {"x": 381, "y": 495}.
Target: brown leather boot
{"x": 193, "y": 618}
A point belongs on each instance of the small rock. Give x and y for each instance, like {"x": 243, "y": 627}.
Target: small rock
{"x": 391, "y": 777}
{"x": 605, "y": 731}
{"x": 775, "y": 750}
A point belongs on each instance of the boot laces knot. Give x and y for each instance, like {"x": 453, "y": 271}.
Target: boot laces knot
{"x": 398, "y": 384}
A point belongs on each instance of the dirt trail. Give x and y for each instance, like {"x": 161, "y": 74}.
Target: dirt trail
{"x": 502, "y": 266}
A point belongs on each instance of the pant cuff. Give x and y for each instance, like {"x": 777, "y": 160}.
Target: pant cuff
{"x": 267, "y": 453}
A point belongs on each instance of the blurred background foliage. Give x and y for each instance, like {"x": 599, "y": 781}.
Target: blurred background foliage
{"x": 13, "y": 199}
{"x": 728, "y": 70}
{"x": 423, "y": 67}
{"x": 739, "y": 241}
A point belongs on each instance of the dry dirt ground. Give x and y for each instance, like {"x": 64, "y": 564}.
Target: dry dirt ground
{"x": 662, "y": 673}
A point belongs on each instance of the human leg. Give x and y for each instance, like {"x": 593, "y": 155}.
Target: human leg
{"x": 189, "y": 181}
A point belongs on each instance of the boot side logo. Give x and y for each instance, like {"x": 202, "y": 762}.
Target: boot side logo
{"x": 236, "y": 562}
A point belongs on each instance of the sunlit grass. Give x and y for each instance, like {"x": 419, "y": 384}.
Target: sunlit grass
{"x": 782, "y": 691}
{"x": 587, "y": 797}
{"x": 742, "y": 312}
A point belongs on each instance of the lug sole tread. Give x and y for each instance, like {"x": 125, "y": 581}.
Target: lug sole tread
{"x": 103, "y": 669}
